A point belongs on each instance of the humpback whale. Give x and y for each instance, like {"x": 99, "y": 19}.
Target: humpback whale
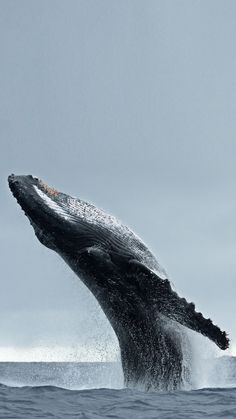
{"x": 149, "y": 318}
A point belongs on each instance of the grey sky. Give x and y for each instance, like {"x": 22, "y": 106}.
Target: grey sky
{"x": 130, "y": 105}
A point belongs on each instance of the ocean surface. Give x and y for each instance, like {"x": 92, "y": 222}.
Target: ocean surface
{"x": 95, "y": 390}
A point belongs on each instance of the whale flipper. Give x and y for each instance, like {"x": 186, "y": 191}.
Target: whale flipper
{"x": 156, "y": 293}
{"x": 167, "y": 302}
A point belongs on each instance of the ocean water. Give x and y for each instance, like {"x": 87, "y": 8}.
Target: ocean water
{"x": 95, "y": 390}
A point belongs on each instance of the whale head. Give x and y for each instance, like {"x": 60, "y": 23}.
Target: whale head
{"x": 57, "y": 218}
{"x": 67, "y": 224}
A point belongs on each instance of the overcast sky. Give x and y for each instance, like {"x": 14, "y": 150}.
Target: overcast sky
{"x": 130, "y": 105}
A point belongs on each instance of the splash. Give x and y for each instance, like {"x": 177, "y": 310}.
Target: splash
{"x": 209, "y": 369}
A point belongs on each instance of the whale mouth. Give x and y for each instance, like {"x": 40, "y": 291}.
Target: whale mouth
{"x": 23, "y": 185}
{"x": 36, "y": 197}
{"x": 42, "y": 204}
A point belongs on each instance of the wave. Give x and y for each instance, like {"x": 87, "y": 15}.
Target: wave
{"x": 95, "y": 390}
{"x": 56, "y": 402}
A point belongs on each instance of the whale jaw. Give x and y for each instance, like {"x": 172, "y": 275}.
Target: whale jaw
{"x": 46, "y": 209}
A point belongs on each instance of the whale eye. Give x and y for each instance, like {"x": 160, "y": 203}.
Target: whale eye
{"x": 48, "y": 189}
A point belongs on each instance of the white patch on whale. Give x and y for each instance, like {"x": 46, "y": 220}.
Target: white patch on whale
{"x": 52, "y": 204}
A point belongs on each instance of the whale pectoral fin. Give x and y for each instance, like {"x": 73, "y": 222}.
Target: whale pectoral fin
{"x": 160, "y": 294}
{"x": 183, "y": 312}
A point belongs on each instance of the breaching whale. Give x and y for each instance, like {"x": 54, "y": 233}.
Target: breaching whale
{"x": 148, "y": 317}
